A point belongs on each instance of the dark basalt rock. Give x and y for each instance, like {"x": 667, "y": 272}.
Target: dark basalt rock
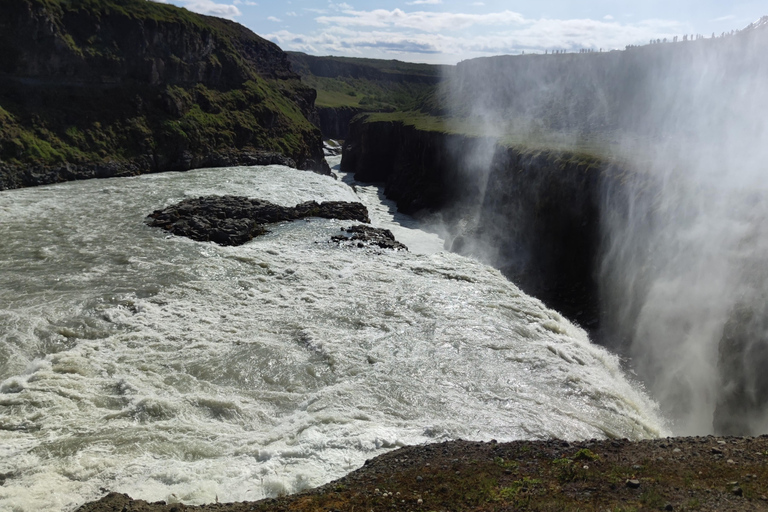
{"x": 535, "y": 215}
{"x": 234, "y": 220}
{"x": 364, "y": 236}
{"x": 742, "y": 359}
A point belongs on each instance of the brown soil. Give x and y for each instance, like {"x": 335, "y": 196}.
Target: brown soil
{"x": 694, "y": 473}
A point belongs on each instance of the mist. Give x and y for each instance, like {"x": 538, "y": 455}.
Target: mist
{"x": 681, "y": 265}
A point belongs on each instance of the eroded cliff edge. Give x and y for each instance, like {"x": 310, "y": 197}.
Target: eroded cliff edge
{"x": 533, "y": 213}
{"x": 99, "y": 89}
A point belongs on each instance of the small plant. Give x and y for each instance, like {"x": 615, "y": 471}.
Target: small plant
{"x": 565, "y": 470}
{"x": 520, "y": 492}
{"x": 585, "y": 454}
{"x": 506, "y": 464}
{"x": 652, "y": 499}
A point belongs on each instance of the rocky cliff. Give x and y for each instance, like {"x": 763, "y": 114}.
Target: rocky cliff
{"x": 334, "y": 121}
{"x": 535, "y": 214}
{"x": 123, "y": 87}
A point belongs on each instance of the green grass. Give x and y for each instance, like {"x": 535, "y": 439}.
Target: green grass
{"x": 368, "y": 94}
{"x": 108, "y": 126}
{"x": 370, "y": 84}
{"x": 591, "y": 151}
{"x": 134, "y": 9}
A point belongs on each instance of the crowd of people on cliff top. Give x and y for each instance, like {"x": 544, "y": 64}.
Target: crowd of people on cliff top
{"x": 675, "y": 39}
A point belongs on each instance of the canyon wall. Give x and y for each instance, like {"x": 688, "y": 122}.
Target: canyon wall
{"x": 534, "y": 214}
{"x": 96, "y": 89}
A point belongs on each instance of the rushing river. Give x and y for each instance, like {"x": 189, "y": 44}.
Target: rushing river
{"x": 182, "y": 371}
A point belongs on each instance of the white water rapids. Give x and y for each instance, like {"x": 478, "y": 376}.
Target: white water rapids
{"x": 175, "y": 370}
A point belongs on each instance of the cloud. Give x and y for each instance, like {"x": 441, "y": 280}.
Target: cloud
{"x": 385, "y": 34}
{"x": 356, "y": 43}
{"x": 272, "y": 18}
{"x": 423, "y": 21}
{"x": 725, "y": 18}
{"x": 477, "y": 4}
{"x": 209, "y": 7}
{"x": 608, "y": 17}
{"x": 244, "y": 2}
{"x": 420, "y": 2}
{"x": 291, "y": 13}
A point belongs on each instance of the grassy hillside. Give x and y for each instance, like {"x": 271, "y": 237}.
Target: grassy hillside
{"x": 368, "y": 84}
{"x": 100, "y": 88}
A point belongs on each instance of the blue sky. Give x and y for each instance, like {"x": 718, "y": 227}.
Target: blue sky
{"x": 448, "y": 31}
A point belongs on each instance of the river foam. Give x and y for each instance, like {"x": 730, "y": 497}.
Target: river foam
{"x": 182, "y": 371}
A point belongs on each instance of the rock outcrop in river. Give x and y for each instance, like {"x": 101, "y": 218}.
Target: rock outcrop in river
{"x": 234, "y": 220}
{"x": 112, "y": 88}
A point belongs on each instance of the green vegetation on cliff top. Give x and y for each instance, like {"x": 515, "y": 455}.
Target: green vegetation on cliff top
{"x": 78, "y": 126}
{"x": 588, "y": 150}
{"x": 366, "y": 94}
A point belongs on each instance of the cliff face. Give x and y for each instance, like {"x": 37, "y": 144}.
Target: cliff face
{"x": 416, "y": 166}
{"x": 334, "y": 121}
{"x": 106, "y": 88}
{"x": 533, "y": 214}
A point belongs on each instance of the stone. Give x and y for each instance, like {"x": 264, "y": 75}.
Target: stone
{"x": 234, "y": 220}
{"x": 633, "y": 483}
{"x": 742, "y": 357}
{"x": 362, "y": 236}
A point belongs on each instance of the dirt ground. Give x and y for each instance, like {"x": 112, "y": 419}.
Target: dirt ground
{"x": 693, "y": 473}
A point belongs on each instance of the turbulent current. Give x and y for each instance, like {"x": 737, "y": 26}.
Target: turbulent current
{"x": 175, "y": 370}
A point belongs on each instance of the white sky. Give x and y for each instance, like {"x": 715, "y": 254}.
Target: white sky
{"x": 447, "y": 31}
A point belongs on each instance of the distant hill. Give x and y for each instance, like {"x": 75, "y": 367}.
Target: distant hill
{"x": 121, "y": 87}
{"x": 347, "y": 86}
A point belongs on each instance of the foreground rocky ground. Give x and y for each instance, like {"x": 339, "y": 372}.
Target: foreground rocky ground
{"x": 701, "y": 473}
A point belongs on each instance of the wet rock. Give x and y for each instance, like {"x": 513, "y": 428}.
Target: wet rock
{"x": 363, "y": 236}
{"x": 742, "y": 357}
{"x": 234, "y": 220}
